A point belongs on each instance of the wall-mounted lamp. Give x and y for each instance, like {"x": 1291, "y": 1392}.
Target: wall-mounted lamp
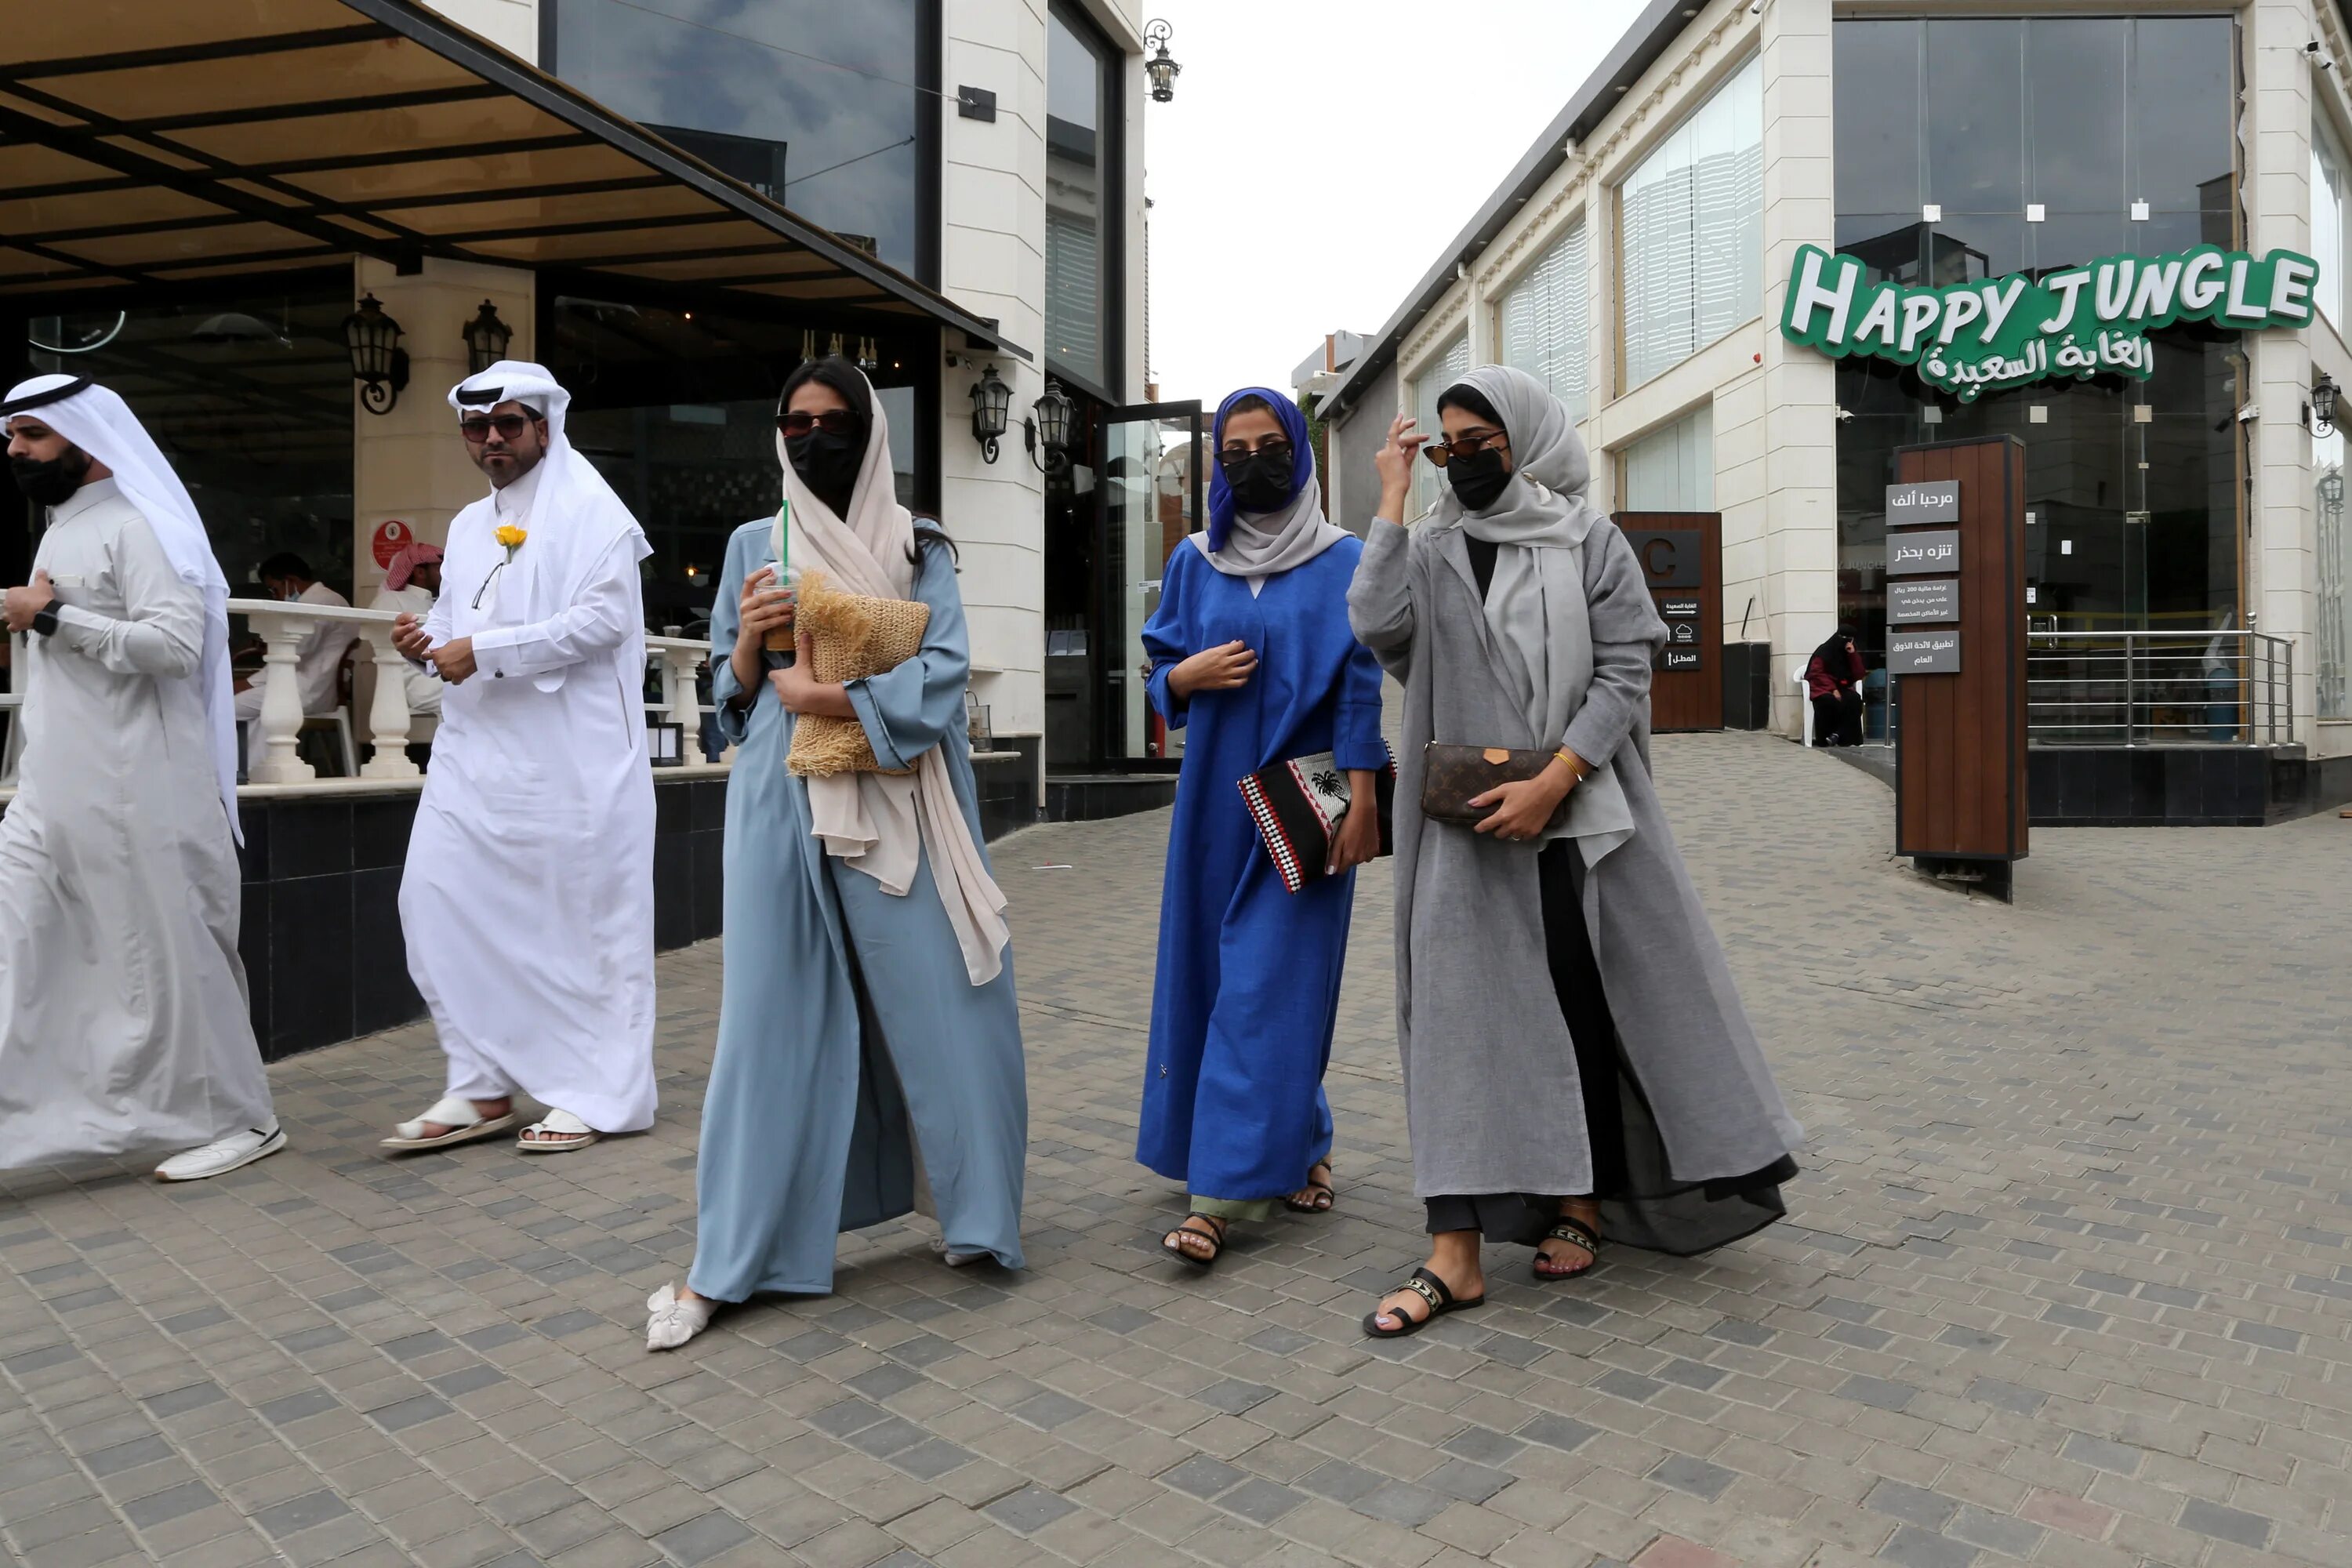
{"x": 1160, "y": 67}
{"x": 2323, "y": 404}
{"x": 486, "y": 338}
{"x": 992, "y": 404}
{"x": 378, "y": 362}
{"x": 1050, "y": 430}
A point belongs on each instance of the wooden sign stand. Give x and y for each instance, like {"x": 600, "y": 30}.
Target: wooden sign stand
{"x": 1959, "y": 754}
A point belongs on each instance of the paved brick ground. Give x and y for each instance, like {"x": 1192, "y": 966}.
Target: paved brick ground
{"x": 2068, "y": 1280}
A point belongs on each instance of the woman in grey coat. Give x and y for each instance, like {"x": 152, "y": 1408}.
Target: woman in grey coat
{"x": 1574, "y": 1050}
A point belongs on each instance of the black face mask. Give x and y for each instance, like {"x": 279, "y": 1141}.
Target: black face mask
{"x": 829, "y": 465}
{"x": 1478, "y": 478}
{"x": 1261, "y": 481}
{"x": 51, "y": 483}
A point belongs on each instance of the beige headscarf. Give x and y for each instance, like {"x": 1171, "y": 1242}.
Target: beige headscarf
{"x": 879, "y": 823}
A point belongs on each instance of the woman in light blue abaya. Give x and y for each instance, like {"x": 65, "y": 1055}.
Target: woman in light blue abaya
{"x": 1252, "y": 657}
{"x": 868, "y": 1016}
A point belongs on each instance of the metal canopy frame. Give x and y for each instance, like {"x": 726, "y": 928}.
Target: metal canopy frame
{"x": 264, "y": 72}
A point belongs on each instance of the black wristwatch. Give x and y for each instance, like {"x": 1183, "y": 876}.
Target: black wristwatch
{"x": 44, "y": 620}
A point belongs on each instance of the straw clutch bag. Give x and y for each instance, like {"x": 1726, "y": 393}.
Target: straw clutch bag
{"x": 853, "y": 636}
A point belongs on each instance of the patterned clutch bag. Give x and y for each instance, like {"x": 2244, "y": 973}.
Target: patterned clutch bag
{"x": 1298, "y": 805}
{"x": 1454, "y": 776}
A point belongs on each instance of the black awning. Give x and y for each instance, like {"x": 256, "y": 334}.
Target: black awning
{"x": 245, "y": 137}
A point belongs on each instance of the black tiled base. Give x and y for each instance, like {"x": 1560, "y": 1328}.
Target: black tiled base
{"x": 2180, "y": 786}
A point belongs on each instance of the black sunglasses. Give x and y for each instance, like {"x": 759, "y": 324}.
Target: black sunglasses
{"x": 833, "y": 422}
{"x": 1232, "y": 455}
{"x": 477, "y": 427}
{"x": 1444, "y": 452}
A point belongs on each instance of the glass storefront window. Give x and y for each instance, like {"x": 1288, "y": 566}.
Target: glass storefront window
{"x": 1544, "y": 321}
{"x": 2334, "y": 608}
{"x": 1673, "y": 470}
{"x": 1452, "y": 362}
{"x": 251, "y": 400}
{"x": 2132, "y": 487}
{"x": 1080, "y": 171}
{"x": 1691, "y": 231}
{"x": 2329, "y": 167}
{"x": 816, "y": 104}
{"x": 678, "y": 414}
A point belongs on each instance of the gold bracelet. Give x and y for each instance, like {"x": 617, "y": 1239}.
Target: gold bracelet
{"x": 1576, "y": 768}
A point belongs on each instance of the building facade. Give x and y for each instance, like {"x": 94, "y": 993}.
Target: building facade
{"x": 989, "y": 151}
{"x": 1640, "y": 258}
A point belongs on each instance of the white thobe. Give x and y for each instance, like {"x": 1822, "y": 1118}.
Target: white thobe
{"x": 528, "y": 897}
{"x": 123, "y": 1022}
{"x": 422, "y": 685}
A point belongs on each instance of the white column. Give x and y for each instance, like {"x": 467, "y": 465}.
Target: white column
{"x": 388, "y": 712}
{"x": 281, "y": 701}
{"x": 1800, "y": 559}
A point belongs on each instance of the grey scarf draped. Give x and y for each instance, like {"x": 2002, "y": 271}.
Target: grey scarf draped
{"x": 1539, "y": 626}
{"x": 1264, "y": 544}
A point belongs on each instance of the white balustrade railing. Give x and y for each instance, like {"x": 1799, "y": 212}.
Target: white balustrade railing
{"x": 282, "y": 625}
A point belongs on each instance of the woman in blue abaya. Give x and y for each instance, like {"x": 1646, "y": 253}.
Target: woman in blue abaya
{"x": 1251, "y": 658}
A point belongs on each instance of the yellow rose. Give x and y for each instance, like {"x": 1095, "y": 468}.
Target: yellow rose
{"x": 509, "y": 535}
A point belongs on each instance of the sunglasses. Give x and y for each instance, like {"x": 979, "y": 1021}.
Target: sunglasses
{"x": 1444, "y": 452}
{"x": 476, "y": 428}
{"x": 833, "y": 422}
{"x": 1232, "y": 455}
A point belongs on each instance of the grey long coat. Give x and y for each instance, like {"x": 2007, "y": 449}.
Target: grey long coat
{"x": 1491, "y": 1092}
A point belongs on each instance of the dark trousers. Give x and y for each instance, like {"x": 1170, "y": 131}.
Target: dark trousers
{"x": 1584, "y": 1006}
{"x": 1837, "y": 719}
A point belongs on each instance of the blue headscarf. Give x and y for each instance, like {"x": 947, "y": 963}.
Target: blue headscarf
{"x": 1302, "y": 458}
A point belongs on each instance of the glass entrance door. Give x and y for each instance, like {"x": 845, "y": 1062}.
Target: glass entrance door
{"x": 1149, "y": 460}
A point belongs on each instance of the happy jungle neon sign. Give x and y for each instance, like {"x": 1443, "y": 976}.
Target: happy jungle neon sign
{"x": 1968, "y": 339}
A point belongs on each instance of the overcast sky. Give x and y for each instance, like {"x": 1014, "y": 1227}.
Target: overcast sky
{"x": 1321, "y": 153}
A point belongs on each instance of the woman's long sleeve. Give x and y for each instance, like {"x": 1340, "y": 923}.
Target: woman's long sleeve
{"x": 1626, "y": 637}
{"x": 910, "y": 710}
{"x": 726, "y": 616}
{"x": 1381, "y": 606}
{"x": 1356, "y": 742}
{"x": 1164, "y": 641}
{"x": 163, "y": 629}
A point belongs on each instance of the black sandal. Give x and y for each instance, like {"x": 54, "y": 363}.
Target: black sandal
{"x": 1214, "y": 1237}
{"x": 1572, "y": 1231}
{"x": 1432, "y": 1289}
{"x": 1321, "y": 1195}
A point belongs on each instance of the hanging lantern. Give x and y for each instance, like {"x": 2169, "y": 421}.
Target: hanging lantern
{"x": 1049, "y": 430}
{"x": 378, "y": 362}
{"x": 992, "y": 404}
{"x": 486, "y": 338}
{"x": 1160, "y": 67}
{"x": 808, "y": 343}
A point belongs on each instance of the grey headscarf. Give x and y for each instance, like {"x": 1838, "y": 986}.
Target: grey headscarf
{"x": 1540, "y": 627}
{"x": 1266, "y": 543}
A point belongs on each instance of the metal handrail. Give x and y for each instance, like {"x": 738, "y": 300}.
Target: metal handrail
{"x": 2159, "y": 688}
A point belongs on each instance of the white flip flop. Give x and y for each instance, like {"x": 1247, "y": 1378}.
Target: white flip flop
{"x": 465, "y": 1124}
{"x": 571, "y": 1133}
{"x": 671, "y": 1320}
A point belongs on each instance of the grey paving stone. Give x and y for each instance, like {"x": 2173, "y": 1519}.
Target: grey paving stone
{"x": 1259, "y": 1500}
{"x": 127, "y": 1456}
{"x": 1402, "y": 1502}
{"x": 1558, "y": 1432}
{"x": 1918, "y": 1505}
{"x": 295, "y": 1407}
{"x": 1202, "y": 1476}
{"x": 932, "y": 1459}
{"x": 1485, "y": 1447}
{"x": 413, "y": 1411}
{"x": 2226, "y": 1523}
{"x": 1341, "y": 1481}
{"x": 180, "y": 1401}
{"x": 1232, "y": 1396}
{"x": 2009, "y": 1397}
{"x": 1886, "y": 1393}
{"x": 466, "y": 1379}
{"x": 1696, "y": 1476}
{"x": 1996, "y": 1533}
{"x": 2100, "y": 1454}
{"x": 702, "y": 1538}
{"x": 1030, "y": 1510}
{"x": 1912, "y": 1547}
{"x": 189, "y": 1322}
{"x": 171, "y": 1503}
{"x": 1050, "y": 1410}
{"x": 296, "y": 1514}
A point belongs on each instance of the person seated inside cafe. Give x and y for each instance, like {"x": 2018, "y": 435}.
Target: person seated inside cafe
{"x": 319, "y": 660}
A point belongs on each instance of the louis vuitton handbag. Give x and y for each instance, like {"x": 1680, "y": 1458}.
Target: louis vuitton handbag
{"x": 1454, "y": 776}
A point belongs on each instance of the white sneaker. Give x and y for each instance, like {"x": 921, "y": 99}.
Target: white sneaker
{"x": 672, "y": 1319}
{"x": 229, "y": 1153}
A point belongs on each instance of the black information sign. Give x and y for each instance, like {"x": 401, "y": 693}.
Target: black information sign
{"x": 1923, "y": 653}
{"x": 1679, "y": 606}
{"x": 1932, "y": 601}
{"x": 1679, "y": 658}
{"x": 1670, "y": 557}
{"x": 1931, "y": 501}
{"x": 1922, "y": 555}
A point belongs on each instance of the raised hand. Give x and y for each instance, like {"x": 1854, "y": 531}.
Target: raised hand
{"x": 1394, "y": 461}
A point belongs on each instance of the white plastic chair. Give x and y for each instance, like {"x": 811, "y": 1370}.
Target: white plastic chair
{"x": 1805, "y": 706}
{"x": 339, "y": 721}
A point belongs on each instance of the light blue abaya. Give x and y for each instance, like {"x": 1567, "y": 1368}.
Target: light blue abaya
{"x": 847, "y": 1022}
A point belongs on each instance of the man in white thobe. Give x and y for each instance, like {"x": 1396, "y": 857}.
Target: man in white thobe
{"x": 411, "y": 584}
{"x": 528, "y": 897}
{"x": 123, "y": 1022}
{"x": 318, "y": 658}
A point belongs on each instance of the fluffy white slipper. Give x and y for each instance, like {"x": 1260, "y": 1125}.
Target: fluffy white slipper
{"x": 465, "y": 1124}
{"x": 571, "y": 1133}
{"x": 672, "y": 1320}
